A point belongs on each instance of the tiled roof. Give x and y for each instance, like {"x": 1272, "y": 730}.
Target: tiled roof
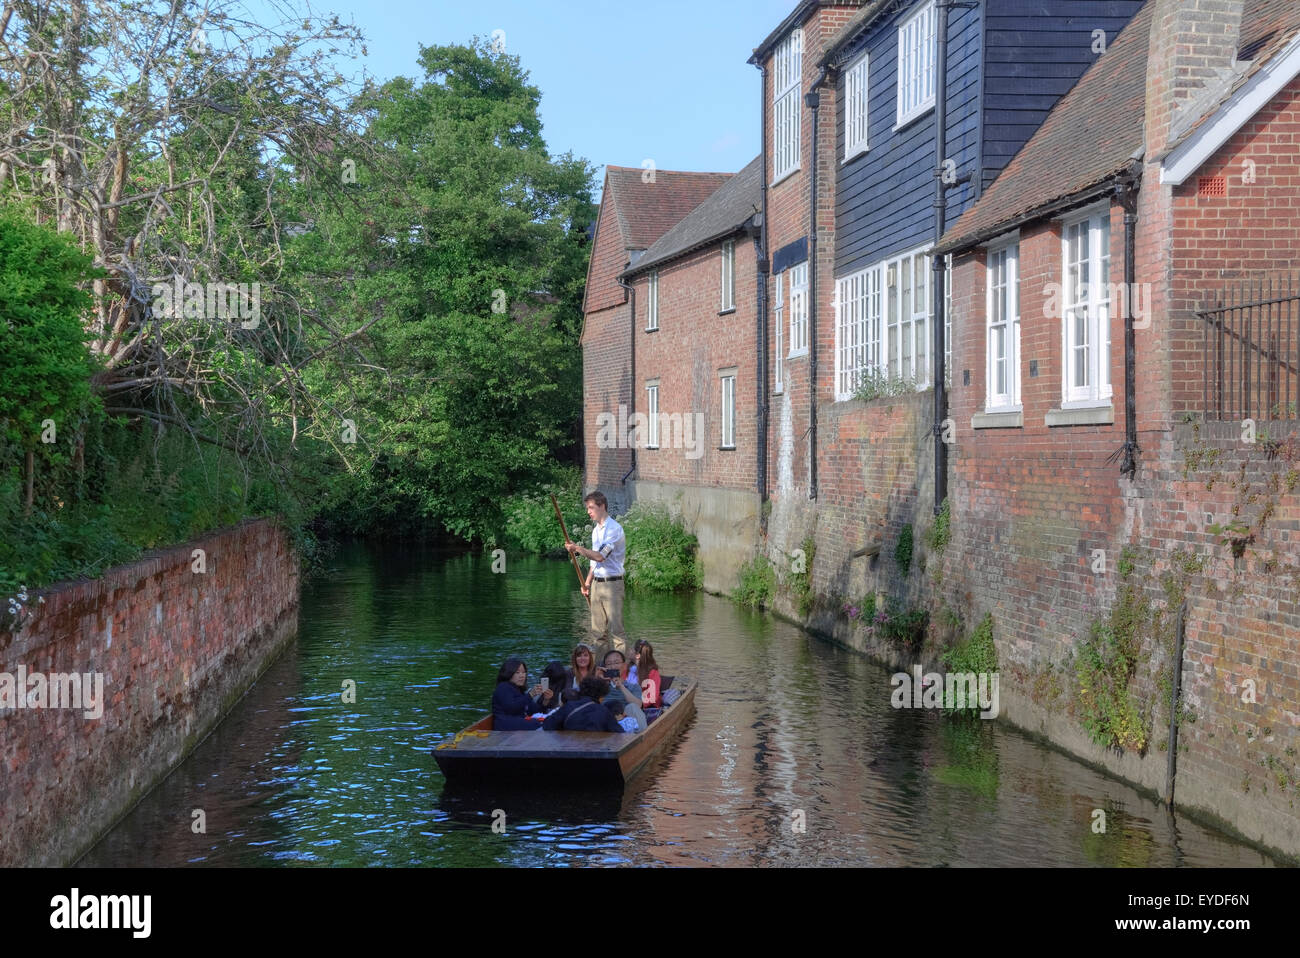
{"x": 646, "y": 211}
{"x": 1097, "y": 129}
{"x": 719, "y": 216}
{"x": 1093, "y": 133}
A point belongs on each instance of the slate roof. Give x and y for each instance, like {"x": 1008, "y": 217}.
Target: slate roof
{"x": 1096, "y": 131}
{"x": 646, "y": 211}
{"x": 721, "y": 215}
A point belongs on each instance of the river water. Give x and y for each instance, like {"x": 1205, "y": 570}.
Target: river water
{"x": 794, "y": 757}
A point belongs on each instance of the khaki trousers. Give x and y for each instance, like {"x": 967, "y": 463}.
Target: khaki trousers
{"x": 607, "y": 617}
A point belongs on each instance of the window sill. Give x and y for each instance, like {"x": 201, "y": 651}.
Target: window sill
{"x": 919, "y": 114}
{"x": 727, "y": 312}
{"x": 999, "y": 419}
{"x": 778, "y": 390}
{"x": 652, "y": 329}
{"x": 860, "y": 151}
{"x": 726, "y": 449}
{"x": 1082, "y": 416}
{"x": 783, "y": 177}
{"x": 797, "y": 355}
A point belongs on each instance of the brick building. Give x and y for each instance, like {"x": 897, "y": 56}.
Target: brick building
{"x": 1105, "y": 474}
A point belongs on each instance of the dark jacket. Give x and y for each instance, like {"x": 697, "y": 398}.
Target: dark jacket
{"x": 582, "y": 715}
{"x": 510, "y": 705}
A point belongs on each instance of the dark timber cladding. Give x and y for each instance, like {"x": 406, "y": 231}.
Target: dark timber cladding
{"x": 1009, "y": 62}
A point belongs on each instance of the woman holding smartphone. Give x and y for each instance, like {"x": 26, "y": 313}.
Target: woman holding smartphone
{"x": 511, "y": 705}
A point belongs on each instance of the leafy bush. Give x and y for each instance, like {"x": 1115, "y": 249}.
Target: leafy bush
{"x": 941, "y": 532}
{"x": 878, "y": 385}
{"x": 530, "y": 519}
{"x": 901, "y": 626}
{"x": 757, "y": 583}
{"x": 661, "y": 554}
{"x": 1105, "y": 664}
{"x": 801, "y": 582}
{"x": 903, "y": 551}
{"x": 976, "y": 654}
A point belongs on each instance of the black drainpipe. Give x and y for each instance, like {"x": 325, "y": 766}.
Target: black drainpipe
{"x": 937, "y": 363}
{"x": 763, "y": 267}
{"x": 631, "y": 298}
{"x": 814, "y": 101}
{"x": 1126, "y": 193}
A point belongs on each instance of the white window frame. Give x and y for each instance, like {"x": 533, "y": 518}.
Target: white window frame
{"x": 916, "y": 64}
{"x": 778, "y": 311}
{"x": 799, "y": 310}
{"x": 870, "y": 325}
{"x": 652, "y": 414}
{"x": 1086, "y": 312}
{"x": 856, "y": 108}
{"x": 728, "y": 383}
{"x": 858, "y": 314}
{"x": 787, "y": 104}
{"x": 728, "y": 276}
{"x": 1002, "y": 312}
{"x": 652, "y": 302}
{"x": 906, "y": 353}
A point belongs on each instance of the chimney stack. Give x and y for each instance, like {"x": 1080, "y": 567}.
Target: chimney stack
{"x": 1193, "y": 57}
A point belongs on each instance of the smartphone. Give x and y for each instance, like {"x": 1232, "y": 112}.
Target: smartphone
{"x": 546, "y": 684}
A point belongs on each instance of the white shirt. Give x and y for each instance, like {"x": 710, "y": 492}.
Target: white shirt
{"x": 607, "y": 539}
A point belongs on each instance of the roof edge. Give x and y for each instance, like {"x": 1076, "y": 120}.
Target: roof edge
{"x": 1131, "y": 171}
{"x": 848, "y": 39}
{"x": 796, "y": 17}
{"x": 681, "y": 253}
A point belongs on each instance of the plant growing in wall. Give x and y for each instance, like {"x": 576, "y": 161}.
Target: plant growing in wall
{"x": 903, "y": 550}
{"x": 757, "y": 583}
{"x": 976, "y": 654}
{"x": 1235, "y": 534}
{"x": 1105, "y": 664}
{"x": 800, "y": 579}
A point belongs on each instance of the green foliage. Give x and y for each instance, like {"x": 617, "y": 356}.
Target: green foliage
{"x": 800, "y": 583}
{"x": 901, "y": 626}
{"x": 530, "y": 522}
{"x": 1105, "y": 664}
{"x": 975, "y": 654}
{"x": 470, "y": 251}
{"x": 45, "y": 368}
{"x": 940, "y": 533}
{"x": 878, "y": 385}
{"x": 1127, "y": 562}
{"x": 661, "y": 554}
{"x": 757, "y": 583}
{"x": 903, "y": 550}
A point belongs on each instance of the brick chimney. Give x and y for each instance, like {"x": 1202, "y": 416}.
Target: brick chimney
{"x": 1193, "y": 58}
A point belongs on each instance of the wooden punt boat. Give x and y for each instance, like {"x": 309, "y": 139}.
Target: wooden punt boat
{"x": 481, "y": 754}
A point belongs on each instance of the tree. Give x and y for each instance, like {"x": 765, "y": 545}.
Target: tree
{"x": 45, "y": 368}
{"x": 474, "y": 256}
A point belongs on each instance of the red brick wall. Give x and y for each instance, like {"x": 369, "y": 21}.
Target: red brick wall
{"x": 1030, "y": 504}
{"x": 694, "y": 343}
{"x": 175, "y": 649}
{"x": 1251, "y": 232}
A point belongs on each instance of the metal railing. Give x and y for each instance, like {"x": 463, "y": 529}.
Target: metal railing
{"x": 1252, "y": 350}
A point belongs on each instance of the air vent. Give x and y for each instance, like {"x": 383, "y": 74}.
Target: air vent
{"x": 1209, "y": 187}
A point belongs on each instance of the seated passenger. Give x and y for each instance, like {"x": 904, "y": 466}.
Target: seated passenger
{"x": 585, "y": 713}
{"x": 615, "y": 671}
{"x": 617, "y": 706}
{"x": 582, "y": 664}
{"x": 557, "y": 677}
{"x": 650, "y": 681}
{"x": 511, "y": 705}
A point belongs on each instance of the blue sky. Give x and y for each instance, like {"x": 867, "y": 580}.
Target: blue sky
{"x": 621, "y": 82}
